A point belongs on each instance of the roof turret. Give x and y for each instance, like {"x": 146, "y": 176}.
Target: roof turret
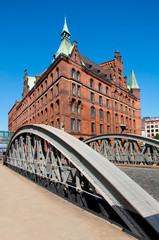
{"x": 132, "y": 81}
{"x": 65, "y": 46}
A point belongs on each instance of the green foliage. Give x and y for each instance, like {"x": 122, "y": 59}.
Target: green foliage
{"x": 156, "y": 137}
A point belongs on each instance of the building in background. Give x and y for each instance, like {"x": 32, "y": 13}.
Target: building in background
{"x": 150, "y": 126}
{"x": 79, "y": 96}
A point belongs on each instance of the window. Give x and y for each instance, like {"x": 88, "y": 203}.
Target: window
{"x": 72, "y": 124}
{"x": 100, "y": 100}
{"x": 41, "y": 116}
{"x": 133, "y": 103}
{"x": 92, "y": 97}
{"x": 119, "y": 71}
{"x": 58, "y": 106}
{"x": 99, "y": 87}
{"x": 57, "y": 72}
{"x": 107, "y": 103}
{"x": 119, "y": 80}
{"x": 72, "y": 107}
{"x": 126, "y": 121}
{"x": 115, "y": 94}
{"x": 58, "y": 123}
{"x": 73, "y": 73}
{"x": 38, "y": 105}
{"x": 42, "y": 88}
{"x": 128, "y": 101}
{"x": 91, "y": 83}
{"x": 46, "y": 84}
{"x": 107, "y": 91}
{"x": 121, "y": 119}
{"x": 156, "y": 126}
{"x": 75, "y": 57}
{"x": 57, "y": 89}
{"x": 133, "y": 113}
{"x": 52, "y": 110}
{"x": 129, "y": 111}
{"x": 78, "y": 75}
{"x": 51, "y": 93}
{"x": 116, "y": 118}
{"x": 92, "y": 112}
{"x": 78, "y": 125}
{"x": 78, "y": 108}
{"x": 41, "y": 102}
{"x": 92, "y": 127}
{"x": 78, "y": 91}
{"x": 45, "y": 99}
{"x": 116, "y": 129}
{"x": 51, "y": 78}
{"x": 115, "y": 105}
{"x": 126, "y": 110}
{"x": 100, "y": 113}
{"x": 101, "y": 128}
{"x": 121, "y": 107}
{"x": 108, "y": 116}
{"x": 73, "y": 88}
{"x": 108, "y": 129}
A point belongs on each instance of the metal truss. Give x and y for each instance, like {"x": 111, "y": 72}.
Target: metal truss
{"x": 73, "y": 170}
{"x": 126, "y": 148}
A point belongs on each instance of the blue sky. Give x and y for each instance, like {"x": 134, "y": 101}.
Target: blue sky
{"x": 30, "y": 35}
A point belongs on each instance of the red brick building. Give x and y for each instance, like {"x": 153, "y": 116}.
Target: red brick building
{"x": 79, "y": 96}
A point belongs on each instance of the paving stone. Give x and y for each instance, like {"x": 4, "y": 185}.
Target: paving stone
{"x": 147, "y": 178}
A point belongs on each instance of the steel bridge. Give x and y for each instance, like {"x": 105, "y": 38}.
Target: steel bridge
{"x": 73, "y": 170}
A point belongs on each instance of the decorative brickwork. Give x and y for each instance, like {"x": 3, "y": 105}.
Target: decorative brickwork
{"x": 79, "y": 96}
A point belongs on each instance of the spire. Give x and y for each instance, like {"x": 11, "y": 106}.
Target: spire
{"x": 132, "y": 81}
{"x": 65, "y": 33}
{"x": 65, "y": 46}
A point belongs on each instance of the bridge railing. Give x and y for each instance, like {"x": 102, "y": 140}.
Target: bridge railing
{"x": 126, "y": 148}
{"x": 71, "y": 169}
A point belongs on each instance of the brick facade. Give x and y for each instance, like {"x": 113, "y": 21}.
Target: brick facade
{"x": 79, "y": 97}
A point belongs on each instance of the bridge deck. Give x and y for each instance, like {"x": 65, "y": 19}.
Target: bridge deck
{"x": 30, "y": 212}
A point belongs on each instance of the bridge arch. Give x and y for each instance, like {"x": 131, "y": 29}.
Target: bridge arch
{"x": 72, "y": 169}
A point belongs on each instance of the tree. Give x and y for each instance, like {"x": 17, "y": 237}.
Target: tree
{"x": 156, "y": 137}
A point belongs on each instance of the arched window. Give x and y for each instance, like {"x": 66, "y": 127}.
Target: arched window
{"x": 52, "y": 110}
{"x": 78, "y": 108}
{"x": 107, "y": 103}
{"x": 108, "y": 116}
{"x": 100, "y": 113}
{"x": 107, "y": 91}
{"x": 78, "y": 75}
{"x": 73, "y": 73}
{"x": 116, "y": 118}
{"x": 122, "y": 119}
{"x": 72, "y": 107}
{"x": 91, "y": 83}
{"x": 57, "y": 72}
{"x": 92, "y": 112}
{"x": 99, "y": 87}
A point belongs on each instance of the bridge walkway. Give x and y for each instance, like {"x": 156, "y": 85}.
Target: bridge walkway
{"x": 30, "y": 212}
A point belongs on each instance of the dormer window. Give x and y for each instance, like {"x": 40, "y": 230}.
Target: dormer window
{"x": 75, "y": 57}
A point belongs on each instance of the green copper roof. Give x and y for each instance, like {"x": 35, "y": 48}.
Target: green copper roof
{"x": 132, "y": 81}
{"x": 65, "y": 46}
{"x": 65, "y": 28}
{"x": 31, "y": 81}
